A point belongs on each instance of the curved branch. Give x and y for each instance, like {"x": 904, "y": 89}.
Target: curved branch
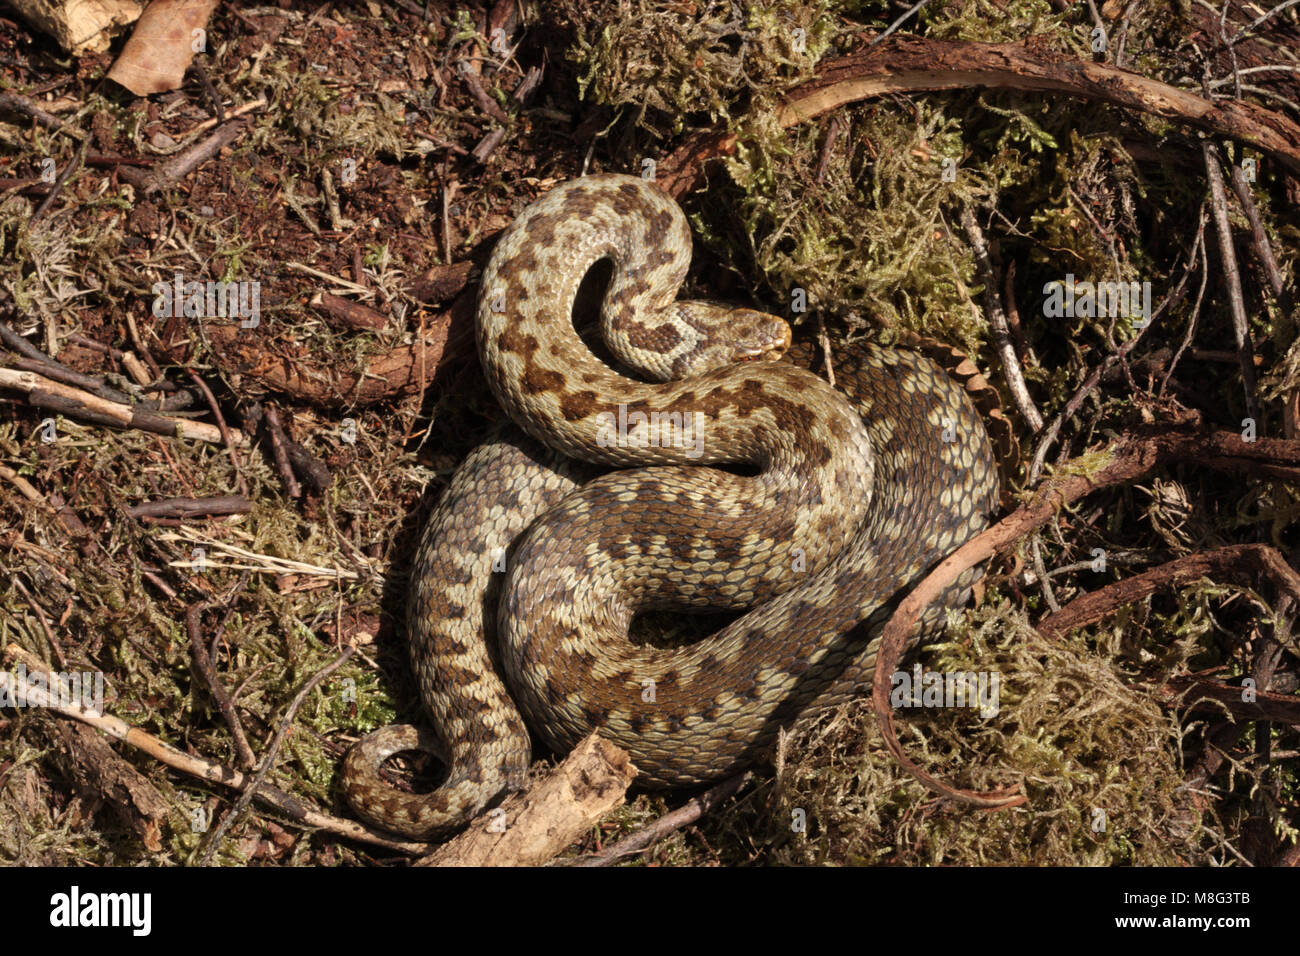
{"x": 910, "y": 64}
{"x": 1243, "y": 562}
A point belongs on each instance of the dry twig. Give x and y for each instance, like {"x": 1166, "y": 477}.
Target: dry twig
{"x": 255, "y": 783}
{"x": 998, "y": 320}
{"x": 165, "y": 753}
{"x": 646, "y": 837}
{"x": 1228, "y": 257}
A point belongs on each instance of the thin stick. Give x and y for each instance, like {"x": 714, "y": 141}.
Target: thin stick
{"x": 488, "y": 144}
{"x": 1013, "y": 312}
{"x": 25, "y": 487}
{"x": 181, "y": 165}
{"x": 1196, "y": 312}
{"x": 165, "y": 753}
{"x": 1040, "y": 570}
{"x": 43, "y": 364}
{"x": 268, "y": 761}
{"x": 1123, "y": 32}
{"x": 1097, "y": 22}
{"x": 64, "y": 176}
{"x": 222, "y": 427}
{"x": 238, "y": 111}
{"x": 1274, "y": 68}
{"x": 998, "y": 319}
{"x": 1240, "y": 561}
{"x": 275, "y": 430}
{"x": 1262, "y": 247}
{"x": 192, "y": 158}
{"x": 337, "y": 280}
{"x": 899, "y": 22}
{"x": 448, "y": 190}
{"x": 1228, "y": 255}
{"x": 646, "y": 837}
{"x": 1232, "y": 53}
{"x": 332, "y": 208}
{"x": 218, "y": 631}
{"x": 825, "y": 342}
{"x": 267, "y": 563}
{"x": 21, "y": 104}
{"x": 828, "y": 148}
{"x": 160, "y": 584}
{"x": 67, "y": 376}
{"x": 203, "y": 662}
{"x": 143, "y": 349}
{"x": 1256, "y": 22}
{"x": 46, "y": 393}
{"x": 188, "y": 507}
{"x": 209, "y": 90}
{"x": 466, "y": 71}
{"x": 905, "y": 63}
{"x": 20, "y": 345}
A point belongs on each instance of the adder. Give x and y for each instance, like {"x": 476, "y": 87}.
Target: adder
{"x": 742, "y": 486}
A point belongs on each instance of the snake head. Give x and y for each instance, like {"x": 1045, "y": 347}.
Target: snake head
{"x": 726, "y": 335}
{"x": 758, "y": 336}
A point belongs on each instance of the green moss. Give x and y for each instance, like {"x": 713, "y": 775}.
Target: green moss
{"x": 1096, "y": 758}
{"x": 664, "y": 66}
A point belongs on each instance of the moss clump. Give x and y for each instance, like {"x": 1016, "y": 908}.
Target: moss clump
{"x": 665, "y": 67}
{"x": 1097, "y": 759}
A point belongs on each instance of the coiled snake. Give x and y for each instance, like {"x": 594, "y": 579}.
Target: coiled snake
{"x": 836, "y": 507}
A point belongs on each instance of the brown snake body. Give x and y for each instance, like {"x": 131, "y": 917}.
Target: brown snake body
{"x": 844, "y": 504}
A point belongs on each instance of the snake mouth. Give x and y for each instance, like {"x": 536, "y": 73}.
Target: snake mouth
{"x": 772, "y": 353}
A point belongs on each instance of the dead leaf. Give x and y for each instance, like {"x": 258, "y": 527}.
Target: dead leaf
{"x": 163, "y": 45}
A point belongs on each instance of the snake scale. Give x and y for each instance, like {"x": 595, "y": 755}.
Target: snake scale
{"x": 530, "y": 572}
